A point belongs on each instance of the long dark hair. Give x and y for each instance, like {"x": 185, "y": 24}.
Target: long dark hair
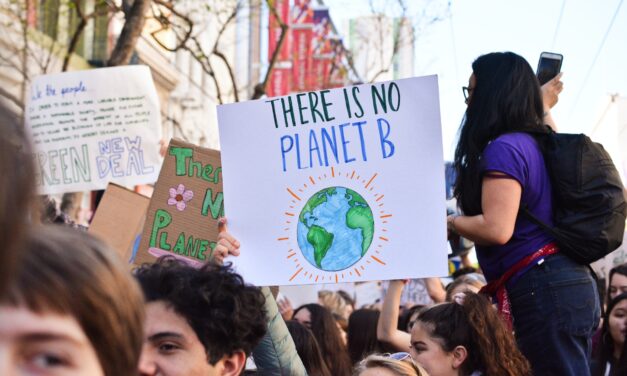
{"x": 362, "y": 335}
{"x": 506, "y": 98}
{"x": 329, "y": 338}
{"x": 475, "y": 324}
{"x": 307, "y": 348}
{"x": 606, "y": 346}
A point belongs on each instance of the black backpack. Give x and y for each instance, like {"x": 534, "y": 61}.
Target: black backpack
{"x": 588, "y": 196}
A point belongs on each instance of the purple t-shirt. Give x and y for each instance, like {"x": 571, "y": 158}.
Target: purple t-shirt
{"x": 518, "y": 156}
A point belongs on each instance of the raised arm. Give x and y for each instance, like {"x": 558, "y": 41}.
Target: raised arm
{"x": 388, "y": 320}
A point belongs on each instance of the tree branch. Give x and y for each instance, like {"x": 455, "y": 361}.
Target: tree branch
{"x": 260, "y": 89}
{"x": 125, "y": 45}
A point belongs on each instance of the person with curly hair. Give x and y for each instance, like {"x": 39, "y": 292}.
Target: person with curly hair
{"x": 198, "y": 321}
{"x": 465, "y": 338}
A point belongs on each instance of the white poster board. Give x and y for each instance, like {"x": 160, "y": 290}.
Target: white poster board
{"x": 93, "y": 127}
{"x": 340, "y": 185}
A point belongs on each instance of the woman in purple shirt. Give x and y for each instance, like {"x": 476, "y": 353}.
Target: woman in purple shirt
{"x": 550, "y": 300}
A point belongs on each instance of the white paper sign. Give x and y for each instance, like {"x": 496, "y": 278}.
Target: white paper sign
{"x": 339, "y": 185}
{"x": 93, "y": 127}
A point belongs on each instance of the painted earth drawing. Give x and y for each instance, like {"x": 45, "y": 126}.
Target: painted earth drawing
{"x": 335, "y": 228}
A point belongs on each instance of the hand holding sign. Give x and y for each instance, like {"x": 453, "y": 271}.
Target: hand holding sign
{"x": 226, "y": 245}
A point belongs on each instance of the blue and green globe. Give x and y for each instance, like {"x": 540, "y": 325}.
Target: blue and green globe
{"x": 335, "y": 228}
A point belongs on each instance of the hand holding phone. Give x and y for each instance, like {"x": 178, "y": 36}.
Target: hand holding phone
{"x": 549, "y": 66}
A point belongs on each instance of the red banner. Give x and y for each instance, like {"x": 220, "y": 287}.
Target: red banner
{"x": 279, "y": 83}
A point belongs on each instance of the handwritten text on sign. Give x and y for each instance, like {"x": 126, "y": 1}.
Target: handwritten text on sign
{"x": 184, "y": 208}
{"x": 93, "y": 127}
{"x": 338, "y": 185}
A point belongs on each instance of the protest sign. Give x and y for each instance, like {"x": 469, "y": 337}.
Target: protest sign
{"x": 338, "y": 185}
{"x": 119, "y": 219}
{"x": 185, "y": 206}
{"x": 93, "y": 127}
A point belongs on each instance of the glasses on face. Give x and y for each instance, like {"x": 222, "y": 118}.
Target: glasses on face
{"x": 467, "y": 91}
{"x": 400, "y": 356}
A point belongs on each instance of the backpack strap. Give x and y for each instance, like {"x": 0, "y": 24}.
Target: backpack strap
{"x": 524, "y": 210}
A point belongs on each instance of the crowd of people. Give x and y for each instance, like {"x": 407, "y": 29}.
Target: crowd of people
{"x": 70, "y": 306}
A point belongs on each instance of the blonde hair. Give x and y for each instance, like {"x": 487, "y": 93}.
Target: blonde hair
{"x": 333, "y": 302}
{"x": 399, "y": 367}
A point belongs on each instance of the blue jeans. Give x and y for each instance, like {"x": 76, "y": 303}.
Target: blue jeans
{"x": 556, "y": 309}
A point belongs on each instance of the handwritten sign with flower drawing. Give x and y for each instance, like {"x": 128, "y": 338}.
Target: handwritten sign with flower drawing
{"x": 183, "y": 212}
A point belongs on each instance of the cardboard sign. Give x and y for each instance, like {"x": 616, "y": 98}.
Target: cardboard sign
{"x": 187, "y": 201}
{"x": 93, "y": 127}
{"x": 119, "y": 220}
{"x": 341, "y": 185}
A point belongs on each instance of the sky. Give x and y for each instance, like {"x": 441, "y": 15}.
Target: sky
{"x": 595, "y": 60}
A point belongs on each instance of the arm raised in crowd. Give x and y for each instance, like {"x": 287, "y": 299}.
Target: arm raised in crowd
{"x": 388, "y": 321}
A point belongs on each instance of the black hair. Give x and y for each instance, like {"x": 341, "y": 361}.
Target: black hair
{"x": 605, "y": 352}
{"x": 226, "y": 314}
{"x": 506, "y": 98}
{"x": 362, "y": 335}
{"x": 404, "y": 323}
{"x": 307, "y": 348}
{"x": 618, "y": 269}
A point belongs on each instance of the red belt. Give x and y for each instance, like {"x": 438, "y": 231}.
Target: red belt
{"x": 497, "y": 288}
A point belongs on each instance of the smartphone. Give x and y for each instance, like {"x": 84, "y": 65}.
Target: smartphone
{"x": 549, "y": 66}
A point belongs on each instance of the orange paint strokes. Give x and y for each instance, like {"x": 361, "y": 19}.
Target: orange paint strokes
{"x": 371, "y": 179}
{"x": 281, "y": 239}
{"x": 357, "y": 271}
{"x": 288, "y": 222}
{"x": 290, "y": 214}
{"x": 295, "y": 274}
{"x": 381, "y": 204}
{"x": 293, "y": 194}
{"x": 332, "y": 172}
{"x": 386, "y": 216}
{"x": 380, "y": 197}
{"x": 317, "y": 278}
{"x": 383, "y": 238}
{"x": 336, "y": 278}
{"x": 353, "y": 174}
{"x": 377, "y": 260}
{"x": 362, "y": 268}
{"x": 290, "y": 256}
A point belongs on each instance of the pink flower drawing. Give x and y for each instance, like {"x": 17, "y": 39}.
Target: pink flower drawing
{"x": 179, "y": 197}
